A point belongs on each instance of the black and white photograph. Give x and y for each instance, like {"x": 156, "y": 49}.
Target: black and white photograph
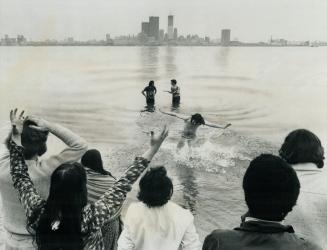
{"x": 163, "y": 125}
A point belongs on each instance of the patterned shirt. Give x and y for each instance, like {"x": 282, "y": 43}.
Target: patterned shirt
{"x": 94, "y": 215}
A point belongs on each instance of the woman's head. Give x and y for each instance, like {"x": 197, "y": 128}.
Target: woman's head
{"x": 173, "y": 82}
{"x": 197, "y": 119}
{"x": 151, "y": 83}
{"x": 271, "y": 188}
{"x": 302, "y": 146}
{"x": 156, "y": 188}
{"x": 92, "y": 159}
{"x": 67, "y": 198}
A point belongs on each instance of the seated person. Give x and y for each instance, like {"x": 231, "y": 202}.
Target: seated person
{"x": 99, "y": 181}
{"x": 271, "y": 189}
{"x": 156, "y": 222}
{"x": 303, "y": 150}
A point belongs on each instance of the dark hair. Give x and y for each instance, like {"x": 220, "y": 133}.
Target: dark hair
{"x": 198, "y": 119}
{"x": 33, "y": 141}
{"x": 301, "y": 146}
{"x": 173, "y": 81}
{"x": 92, "y": 159}
{"x": 271, "y": 188}
{"x": 151, "y": 83}
{"x": 156, "y": 188}
{"x": 67, "y": 198}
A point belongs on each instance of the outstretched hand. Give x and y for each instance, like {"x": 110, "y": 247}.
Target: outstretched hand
{"x": 156, "y": 140}
{"x": 17, "y": 122}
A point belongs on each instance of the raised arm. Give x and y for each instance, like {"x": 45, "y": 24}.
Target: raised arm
{"x": 212, "y": 125}
{"x": 180, "y": 116}
{"x": 76, "y": 145}
{"x": 99, "y": 213}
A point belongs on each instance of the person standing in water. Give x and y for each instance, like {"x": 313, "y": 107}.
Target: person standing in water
{"x": 191, "y": 125}
{"x": 149, "y": 92}
{"x": 175, "y": 92}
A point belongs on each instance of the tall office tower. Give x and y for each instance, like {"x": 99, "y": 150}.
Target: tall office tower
{"x": 175, "y": 34}
{"x": 145, "y": 28}
{"x": 225, "y": 37}
{"x": 154, "y": 27}
{"x": 161, "y": 35}
{"x": 170, "y": 27}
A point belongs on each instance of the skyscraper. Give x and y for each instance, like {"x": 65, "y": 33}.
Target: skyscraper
{"x": 145, "y": 28}
{"x": 225, "y": 37}
{"x": 154, "y": 27}
{"x": 175, "y": 34}
{"x": 170, "y": 27}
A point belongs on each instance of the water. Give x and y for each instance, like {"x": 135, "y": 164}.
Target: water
{"x": 96, "y": 91}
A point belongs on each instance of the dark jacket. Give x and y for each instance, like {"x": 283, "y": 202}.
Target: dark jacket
{"x": 255, "y": 235}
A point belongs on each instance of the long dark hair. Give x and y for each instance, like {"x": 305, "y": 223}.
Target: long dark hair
{"x": 59, "y": 225}
{"x": 92, "y": 159}
{"x": 301, "y": 146}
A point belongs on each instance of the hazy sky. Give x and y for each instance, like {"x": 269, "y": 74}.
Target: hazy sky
{"x": 249, "y": 20}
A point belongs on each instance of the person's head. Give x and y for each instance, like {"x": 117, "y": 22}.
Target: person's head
{"x": 156, "y": 188}
{"x": 197, "y": 119}
{"x": 302, "y": 146}
{"x": 67, "y": 198}
{"x": 271, "y": 188}
{"x": 173, "y": 82}
{"x": 33, "y": 141}
{"x": 92, "y": 159}
{"x": 151, "y": 83}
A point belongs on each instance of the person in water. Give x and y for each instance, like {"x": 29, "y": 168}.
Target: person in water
{"x": 64, "y": 220}
{"x": 191, "y": 125}
{"x": 175, "y": 92}
{"x": 149, "y": 92}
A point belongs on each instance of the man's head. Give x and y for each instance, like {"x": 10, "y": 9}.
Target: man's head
{"x": 301, "y": 146}
{"x": 151, "y": 83}
{"x": 271, "y": 188}
{"x": 33, "y": 141}
{"x": 156, "y": 188}
{"x": 197, "y": 119}
{"x": 173, "y": 82}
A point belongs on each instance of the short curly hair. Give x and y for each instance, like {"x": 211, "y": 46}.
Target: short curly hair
{"x": 301, "y": 146}
{"x": 156, "y": 188}
{"x": 271, "y": 187}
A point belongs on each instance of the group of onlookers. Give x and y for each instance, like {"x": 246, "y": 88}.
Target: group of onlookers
{"x": 58, "y": 203}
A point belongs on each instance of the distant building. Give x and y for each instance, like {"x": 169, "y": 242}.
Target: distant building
{"x": 207, "y": 39}
{"x": 170, "y": 27}
{"x": 225, "y": 37}
{"x": 154, "y": 27}
{"x": 161, "y": 35}
{"x": 21, "y": 39}
{"x": 109, "y": 41}
{"x": 145, "y": 28}
{"x": 175, "y": 34}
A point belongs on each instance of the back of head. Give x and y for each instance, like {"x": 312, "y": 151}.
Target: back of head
{"x": 33, "y": 141}
{"x": 197, "y": 119}
{"x": 67, "y": 198}
{"x": 151, "y": 83}
{"x": 173, "y": 81}
{"x": 302, "y": 146}
{"x": 156, "y": 188}
{"x": 92, "y": 160}
{"x": 271, "y": 188}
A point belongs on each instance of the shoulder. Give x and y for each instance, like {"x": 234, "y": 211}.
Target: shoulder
{"x": 219, "y": 238}
{"x": 180, "y": 212}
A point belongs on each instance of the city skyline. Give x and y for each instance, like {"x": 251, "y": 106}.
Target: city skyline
{"x": 250, "y": 20}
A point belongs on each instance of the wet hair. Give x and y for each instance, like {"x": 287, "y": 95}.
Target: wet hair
{"x": 92, "y": 159}
{"x": 198, "y": 119}
{"x": 173, "y": 81}
{"x": 33, "y": 141}
{"x": 67, "y": 198}
{"x": 156, "y": 188}
{"x": 271, "y": 188}
{"x": 301, "y": 146}
{"x": 151, "y": 83}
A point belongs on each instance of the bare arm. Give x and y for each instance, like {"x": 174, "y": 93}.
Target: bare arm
{"x": 143, "y": 92}
{"x": 212, "y": 125}
{"x": 180, "y": 116}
